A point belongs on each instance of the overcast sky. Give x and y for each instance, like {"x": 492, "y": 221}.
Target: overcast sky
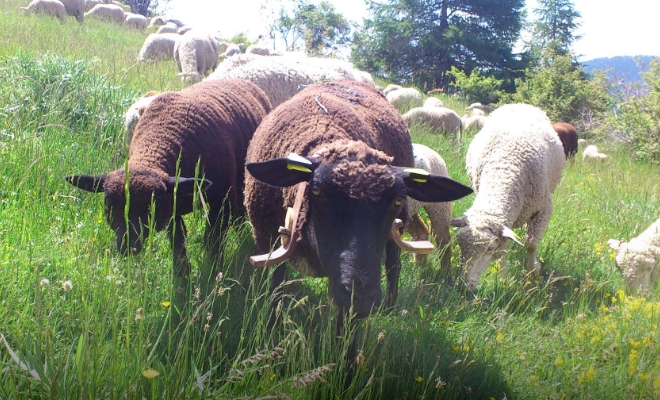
{"x": 609, "y": 27}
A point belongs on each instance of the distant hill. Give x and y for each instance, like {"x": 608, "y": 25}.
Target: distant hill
{"x": 622, "y": 67}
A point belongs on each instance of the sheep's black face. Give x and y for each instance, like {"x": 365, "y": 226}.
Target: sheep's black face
{"x": 350, "y": 234}
{"x": 149, "y": 206}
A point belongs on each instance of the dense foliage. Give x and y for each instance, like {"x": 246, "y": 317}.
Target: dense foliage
{"x": 476, "y": 87}
{"x": 418, "y": 41}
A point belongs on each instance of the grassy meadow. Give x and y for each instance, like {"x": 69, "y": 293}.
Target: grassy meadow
{"x": 79, "y": 321}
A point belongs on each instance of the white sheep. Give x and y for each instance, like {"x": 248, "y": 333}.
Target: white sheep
{"x": 107, "y": 12}
{"x": 157, "y": 21}
{"x": 124, "y": 7}
{"x": 515, "y": 163}
{"x": 89, "y": 4}
{"x": 75, "y": 8}
{"x": 167, "y": 28}
{"x": 433, "y": 102}
{"x": 183, "y": 29}
{"x": 50, "y": 7}
{"x": 475, "y": 121}
{"x": 391, "y": 87}
{"x": 639, "y": 259}
{"x": 259, "y": 49}
{"x": 176, "y": 22}
{"x": 435, "y": 119}
{"x": 592, "y": 153}
{"x": 158, "y": 47}
{"x": 196, "y": 55}
{"x": 284, "y": 76}
{"x": 439, "y": 213}
{"x": 478, "y": 106}
{"x": 136, "y": 21}
{"x": 404, "y": 98}
{"x": 231, "y": 50}
{"x": 134, "y": 113}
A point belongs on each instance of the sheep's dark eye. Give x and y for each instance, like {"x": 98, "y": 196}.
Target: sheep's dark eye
{"x": 316, "y": 191}
{"x": 398, "y": 201}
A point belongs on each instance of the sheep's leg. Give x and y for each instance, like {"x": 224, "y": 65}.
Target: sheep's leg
{"x": 504, "y": 270}
{"x": 418, "y": 231}
{"x": 440, "y": 215}
{"x": 536, "y": 227}
{"x": 181, "y": 271}
{"x": 392, "y": 269}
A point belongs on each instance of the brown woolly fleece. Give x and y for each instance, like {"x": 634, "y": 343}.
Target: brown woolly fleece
{"x": 568, "y": 136}
{"x": 210, "y": 122}
{"x": 346, "y": 122}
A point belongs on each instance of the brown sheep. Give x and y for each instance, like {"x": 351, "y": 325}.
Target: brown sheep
{"x": 204, "y": 128}
{"x": 568, "y": 136}
{"x": 351, "y": 147}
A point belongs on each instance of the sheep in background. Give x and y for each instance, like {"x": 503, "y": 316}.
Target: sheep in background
{"x": 473, "y": 122}
{"x": 282, "y": 77}
{"x": 135, "y": 21}
{"x": 50, "y": 7}
{"x": 123, "y": 6}
{"x": 157, "y": 47}
{"x": 568, "y": 137}
{"x": 258, "y": 49}
{"x": 107, "y": 12}
{"x": 196, "y": 55}
{"x": 404, "y": 98}
{"x": 186, "y": 141}
{"x": 157, "y": 21}
{"x": 231, "y": 50}
{"x": 639, "y": 259}
{"x": 439, "y": 213}
{"x": 183, "y": 29}
{"x": 89, "y": 4}
{"x": 391, "y": 87}
{"x": 592, "y": 153}
{"x": 478, "y": 106}
{"x": 167, "y": 28}
{"x": 433, "y": 102}
{"x": 438, "y": 120}
{"x": 75, "y": 8}
{"x": 515, "y": 163}
{"x": 176, "y": 22}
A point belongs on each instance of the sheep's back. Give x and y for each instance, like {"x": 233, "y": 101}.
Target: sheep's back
{"x": 211, "y": 121}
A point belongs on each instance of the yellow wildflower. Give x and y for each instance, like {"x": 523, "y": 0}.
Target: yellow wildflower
{"x": 166, "y": 304}
{"x": 499, "y": 337}
{"x": 559, "y": 361}
{"x": 534, "y": 378}
{"x": 656, "y": 386}
{"x": 419, "y": 379}
{"x": 150, "y": 373}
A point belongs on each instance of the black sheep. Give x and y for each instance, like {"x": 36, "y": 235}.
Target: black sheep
{"x": 352, "y": 148}
{"x": 200, "y": 135}
{"x": 568, "y": 137}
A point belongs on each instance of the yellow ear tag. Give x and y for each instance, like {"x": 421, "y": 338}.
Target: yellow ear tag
{"x": 418, "y": 175}
{"x": 296, "y": 167}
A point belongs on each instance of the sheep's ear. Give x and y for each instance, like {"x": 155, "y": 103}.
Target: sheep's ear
{"x": 186, "y": 186}
{"x": 90, "y": 183}
{"x": 427, "y": 187}
{"x": 614, "y": 244}
{"x": 283, "y": 172}
{"x": 459, "y": 222}
{"x": 509, "y": 234}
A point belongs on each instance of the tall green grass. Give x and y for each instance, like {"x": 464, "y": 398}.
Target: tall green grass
{"x": 78, "y": 321}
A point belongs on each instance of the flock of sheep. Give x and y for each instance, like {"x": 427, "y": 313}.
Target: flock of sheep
{"x": 332, "y": 177}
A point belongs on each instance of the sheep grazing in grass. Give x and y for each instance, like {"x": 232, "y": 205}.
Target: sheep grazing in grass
{"x": 337, "y": 152}
{"x": 89, "y": 4}
{"x": 487, "y": 109}
{"x": 282, "y": 77}
{"x": 196, "y": 55}
{"x": 135, "y": 21}
{"x": 474, "y": 122}
{"x": 391, "y": 87}
{"x": 134, "y": 113}
{"x": 50, "y": 7}
{"x": 107, "y": 12}
{"x": 433, "y": 102}
{"x": 515, "y": 163}
{"x": 439, "y": 213}
{"x": 568, "y": 137}
{"x": 404, "y": 98}
{"x": 203, "y": 131}
{"x": 75, "y": 8}
{"x": 167, "y": 28}
{"x": 231, "y": 50}
{"x": 436, "y": 120}
{"x": 592, "y": 153}
{"x": 158, "y": 47}
{"x": 639, "y": 259}
{"x": 258, "y": 49}
{"x": 157, "y": 21}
